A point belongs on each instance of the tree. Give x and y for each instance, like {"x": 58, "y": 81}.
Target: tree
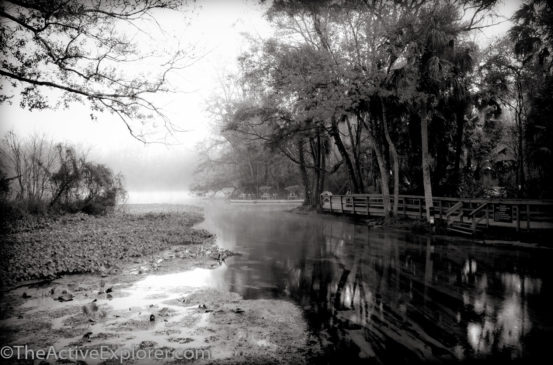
{"x": 532, "y": 37}
{"x": 296, "y": 127}
{"x": 241, "y": 154}
{"x": 29, "y": 164}
{"x": 384, "y": 55}
{"x": 319, "y": 82}
{"x": 4, "y": 185}
{"x": 507, "y": 80}
{"x": 390, "y": 89}
{"x": 100, "y": 189}
{"x": 431, "y": 64}
{"x": 39, "y": 175}
{"x": 83, "y": 50}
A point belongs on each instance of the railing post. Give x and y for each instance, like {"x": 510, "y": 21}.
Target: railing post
{"x": 420, "y": 208}
{"x": 353, "y": 204}
{"x": 330, "y": 197}
{"x": 368, "y": 205}
{"x": 342, "y": 203}
{"x": 518, "y": 217}
{"x": 440, "y": 205}
{"x": 528, "y": 217}
{"x": 404, "y": 207}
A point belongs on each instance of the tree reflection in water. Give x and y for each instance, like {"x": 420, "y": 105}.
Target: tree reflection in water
{"x": 393, "y": 297}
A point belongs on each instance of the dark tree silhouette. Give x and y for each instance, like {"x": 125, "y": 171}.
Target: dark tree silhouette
{"x": 81, "y": 49}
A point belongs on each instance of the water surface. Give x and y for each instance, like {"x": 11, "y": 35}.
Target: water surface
{"x": 393, "y": 297}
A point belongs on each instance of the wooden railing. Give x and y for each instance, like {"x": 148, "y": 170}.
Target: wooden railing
{"x": 518, "y": 213}
{"x": 454, "y": 209}
{"x": 476, "y": 218}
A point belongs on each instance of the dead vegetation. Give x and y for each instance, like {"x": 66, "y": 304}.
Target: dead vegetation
{"x": 48, "y": 247}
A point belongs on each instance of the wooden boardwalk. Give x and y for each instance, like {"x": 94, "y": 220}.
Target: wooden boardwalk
{"x": 466, "y": 216}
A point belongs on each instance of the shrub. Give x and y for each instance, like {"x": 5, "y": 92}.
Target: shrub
{"x": 56, "y": 177}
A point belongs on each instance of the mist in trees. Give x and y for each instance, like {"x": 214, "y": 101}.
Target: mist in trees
{"x": 56, "y": 54}
{"x": 388, "y": 97}
{"x": 40, "y": 176}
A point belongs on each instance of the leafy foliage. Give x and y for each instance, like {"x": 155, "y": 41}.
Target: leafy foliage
{"x": 365, "y": 96}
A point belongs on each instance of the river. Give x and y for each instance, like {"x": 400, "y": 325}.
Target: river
{"x": 395, "y": 297}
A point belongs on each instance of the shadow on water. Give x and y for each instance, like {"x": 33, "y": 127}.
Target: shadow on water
{"x": 389, "y": 296}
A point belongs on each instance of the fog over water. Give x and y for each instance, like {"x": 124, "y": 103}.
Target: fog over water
{"x": 161, "y": 197}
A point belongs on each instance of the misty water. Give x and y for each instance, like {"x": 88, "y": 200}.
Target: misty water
{"x": 394, "y": 296}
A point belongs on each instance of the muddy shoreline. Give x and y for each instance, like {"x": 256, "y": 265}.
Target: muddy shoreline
{"x": 165, "y": 304}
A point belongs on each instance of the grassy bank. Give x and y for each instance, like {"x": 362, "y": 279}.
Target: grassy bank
{"x": 48, "y": 247}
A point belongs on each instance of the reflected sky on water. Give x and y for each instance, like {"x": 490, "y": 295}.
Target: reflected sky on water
{"x": 392, "y": 297}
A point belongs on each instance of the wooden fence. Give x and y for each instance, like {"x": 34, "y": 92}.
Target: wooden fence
{"x": 463, "y": 215}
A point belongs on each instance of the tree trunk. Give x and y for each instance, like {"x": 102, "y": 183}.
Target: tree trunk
{"x": 335, "y": 133}
{"x": 257, "y": 180}
{"x": 395, "y": 158}
{"x": 252, "y": 172}
{"x": 356, "y": 159}
{"x": 303, "y": 171}
{"x": 427, "y": 183}
{"x": 521, "y": 176}
{"x": 315, "y": 153}
{"x": 320, "y": 170}
{"x": 384, "y": 179}
{"x": 460, "y": 119}
{"x": 323, "y": 173}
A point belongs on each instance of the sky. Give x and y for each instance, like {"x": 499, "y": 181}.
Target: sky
{"x": 214, "y": 31}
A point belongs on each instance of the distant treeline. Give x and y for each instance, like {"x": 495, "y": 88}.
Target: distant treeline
{"x": 39, "y": 176}
{"x": 389, "y": 97}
